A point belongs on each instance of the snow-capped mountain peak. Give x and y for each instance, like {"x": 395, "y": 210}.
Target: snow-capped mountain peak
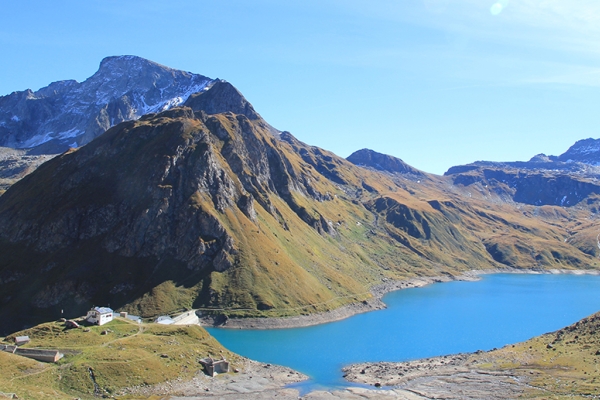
{"x": 69, "y": 114}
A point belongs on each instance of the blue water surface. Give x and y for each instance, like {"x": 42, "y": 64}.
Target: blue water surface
{"x": 439, "y": 319}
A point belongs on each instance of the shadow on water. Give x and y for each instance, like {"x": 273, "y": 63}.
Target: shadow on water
{"x": 439, "y": 319}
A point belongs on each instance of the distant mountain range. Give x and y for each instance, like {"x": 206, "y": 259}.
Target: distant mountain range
{"x": 582, "y": 158}
{"x": 563, "y": 180}
{"x": 205, "y": 205}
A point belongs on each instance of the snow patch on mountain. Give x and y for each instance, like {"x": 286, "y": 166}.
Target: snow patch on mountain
{"x": 71, "y": 133}
{"x": 175, "y": 101}
{"x": 36, "y": 141}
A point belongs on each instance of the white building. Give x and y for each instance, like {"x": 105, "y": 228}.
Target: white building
{"x": 99, "y": 315}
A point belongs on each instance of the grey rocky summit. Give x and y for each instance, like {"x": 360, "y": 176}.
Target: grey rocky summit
{"x": 70, "y": 114}
{"x": 584, "y": 151}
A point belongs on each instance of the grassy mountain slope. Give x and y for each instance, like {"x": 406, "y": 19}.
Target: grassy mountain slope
{"x": 129, "y": 355}
{"x": 562, "y": 363}
{"x": 186, "y": 209}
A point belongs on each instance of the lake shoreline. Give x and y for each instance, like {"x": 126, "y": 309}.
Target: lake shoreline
{"x": 373, "y": 304}
{"x": 460, "y": 375}
{"x": 465, "y": 373}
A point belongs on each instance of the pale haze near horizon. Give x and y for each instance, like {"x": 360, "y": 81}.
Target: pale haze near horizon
{"x": 435, "y": 82}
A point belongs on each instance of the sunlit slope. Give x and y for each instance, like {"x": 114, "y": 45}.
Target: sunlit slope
{"x": 186, "y": 209}
{"x": 561, "y": 364}
{"x": 127, "y": 355}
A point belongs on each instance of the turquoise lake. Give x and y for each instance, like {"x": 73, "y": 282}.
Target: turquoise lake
{"x": 438, "y": 319}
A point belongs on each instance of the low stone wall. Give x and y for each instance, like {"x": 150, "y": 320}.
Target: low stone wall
{"x": 8, "y": 349}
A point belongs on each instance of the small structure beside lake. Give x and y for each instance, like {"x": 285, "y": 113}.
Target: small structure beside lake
{"x": 99, "y": 315}
{"x": 214, "y": 367}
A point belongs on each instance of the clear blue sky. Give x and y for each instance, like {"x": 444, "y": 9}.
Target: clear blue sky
{"x": 435, "y": 82}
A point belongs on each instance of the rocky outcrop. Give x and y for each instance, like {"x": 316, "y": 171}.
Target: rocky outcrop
{"x": 223, "y": 97}
{"x": 16, "y": 164}
{"x": 382, "y": 162}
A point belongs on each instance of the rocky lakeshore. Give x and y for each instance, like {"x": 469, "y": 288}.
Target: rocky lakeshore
{"x": 523, "y": 369}
{"x": 461, "y": 376}
{"x": 447, "y": 377}
{"x": 253, "y": 380}
{"x": 560, "y": 364}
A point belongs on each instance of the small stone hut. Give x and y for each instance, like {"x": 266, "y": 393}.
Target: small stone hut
{"x": 214, "y": 367}
{"x": 21, "y": 340}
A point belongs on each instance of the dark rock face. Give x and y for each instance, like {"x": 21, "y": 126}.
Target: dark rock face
{"x": 382, "y": 162}
{"x": 135, "y": 207}
{"x": 223, "y": 97}
{"x": 70, "y": 114}
{"x": 399, "y": 215}
{"x": 147, "y": 193}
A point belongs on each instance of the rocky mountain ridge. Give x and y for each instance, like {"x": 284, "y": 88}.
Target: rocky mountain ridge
{"x": 563, "y": 180}
{"x": 585, "y": 151}
{"x": 582, "y": 158}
